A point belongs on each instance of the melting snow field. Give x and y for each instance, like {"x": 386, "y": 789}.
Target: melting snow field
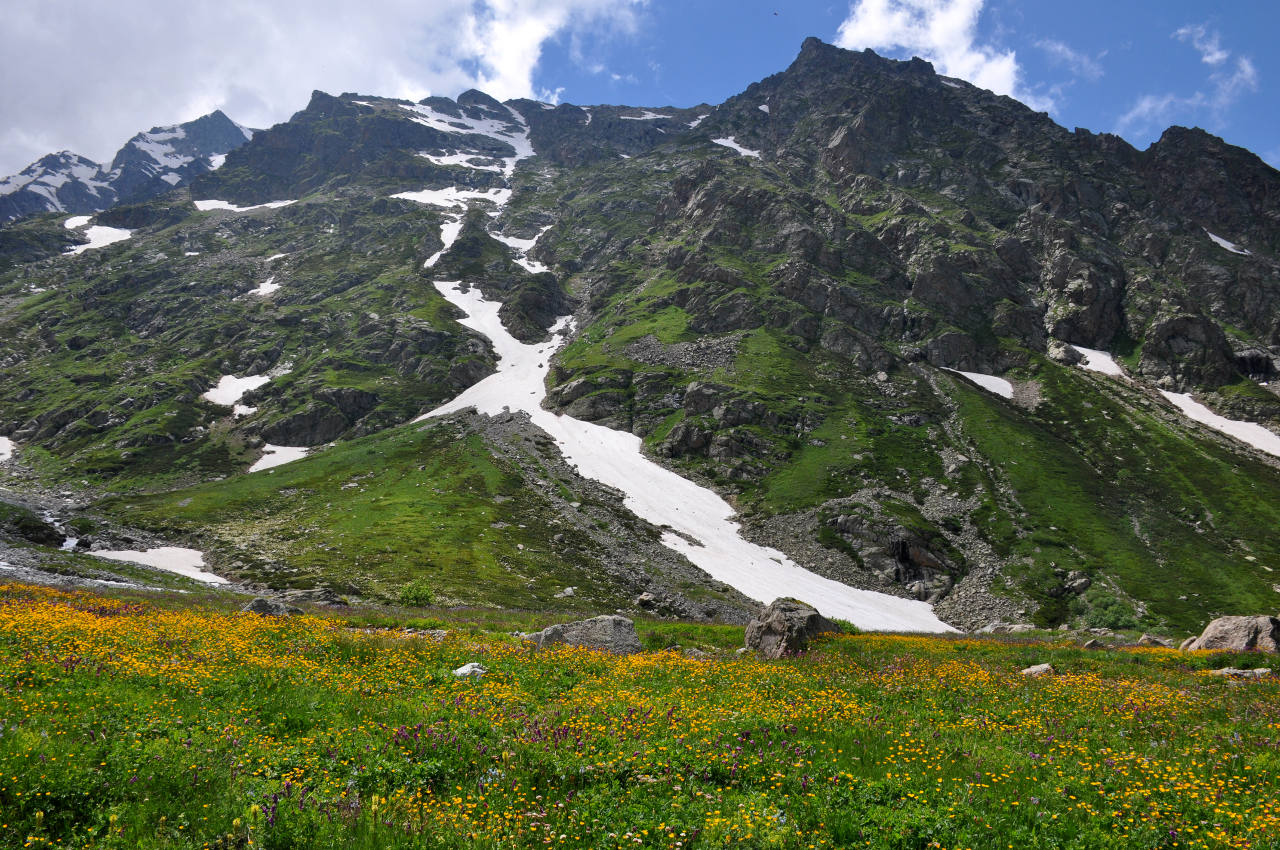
{"x": 455, "y": 197}
{"x": 657, "y": 494}
{"x": 265, "y": 288}
{"x": 647, "y": 115}
{"x": 523, "y": 247}
{"x": 1099, "y": 361}
{"x": 205, "y": 206}
{"x": 278, "y": 456}
{"x": 1246, "y": 432}
{"x": 1226, "y": 243}
{"x": 99, "y": 236}
{"x": 991, "y": 383}
{"x": 730, "y": 143}
{"x": 173, "y": 559}
{"x": 230, "y": 388}
{"x": 6, "y": 448}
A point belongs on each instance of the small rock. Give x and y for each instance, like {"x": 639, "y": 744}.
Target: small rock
{"x": 696, "y": 654}
{"x": 1150, "y": 640}
{"x": 1236, "y": 673}
{"x": 646, "y": 600}
{"x": 471, "y": 669}
{"x": 1093, "y": 643}
{"x": 566, "y": 593}
{"x": 742, "y": 650}
{"x": 1039, "y": 670}
{"x": 1186, "y": 644}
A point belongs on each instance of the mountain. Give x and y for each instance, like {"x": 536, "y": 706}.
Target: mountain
{"x": 149, "y": 164}
{"x": 923, "y": 340}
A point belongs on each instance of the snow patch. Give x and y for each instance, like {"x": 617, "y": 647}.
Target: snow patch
{"x": 687, "y": 511}
{"x": 1225, "y": 243}
{"x": 77, "y": 221}
{"x": 239, "y": 410}
{"x": 695, "y": 122}
{"x": 230, "y": 389}
{"x": 522, "y": 247}
{"x": 1099, "y": 361}
{"x": 278, "y": 455}
{"x": 952, "y": 83}
{"x": 190, "y": 253}
{"x": 275, "y": 257}
{"x": 453, "y": 196}
{"x": 764, "y": 107}
{"x": 514, "y": 132}
{"x": 99, "y": 237}
{"x": 6, "y": 449}
{"x": 463, "y": 159}
{"x": 171, "y": 178}
{"x": 730, "y": 143}
{"x": 173, "y": 559}
{"x": 448, "y": 235}
{"x": 1252, "y": 433}
{"x": 647, "y": 115}
{"x": 991, "y": 383}
{"x": 205, "y": 206}
{"x": 217, "y": 161}
{"x": 265, "y": 288}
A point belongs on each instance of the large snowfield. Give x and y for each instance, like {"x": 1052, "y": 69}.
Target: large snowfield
{"x": 173, "y": 559}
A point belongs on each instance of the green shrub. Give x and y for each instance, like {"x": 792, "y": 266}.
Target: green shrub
{"x": 417, "y": 593}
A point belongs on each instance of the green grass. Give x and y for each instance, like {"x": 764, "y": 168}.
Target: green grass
{"x": 429, "y": 503}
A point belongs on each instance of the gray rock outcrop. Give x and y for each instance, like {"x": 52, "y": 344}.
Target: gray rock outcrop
{"x": 785, "y": 627}
{"x": 269, "y": 607}
{"x": 610, "y": 632}
{"x": 1240, "y": 634}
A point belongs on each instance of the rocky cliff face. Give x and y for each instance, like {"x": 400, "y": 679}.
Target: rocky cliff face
{"x": 775, "y": 293}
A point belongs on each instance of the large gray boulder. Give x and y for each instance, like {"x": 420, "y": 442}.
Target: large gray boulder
{"x": 785, "y": 627}
{"x": 609, "y": 632}
{"x": 1240, "y": 634}
{"x": 269, "y": 607}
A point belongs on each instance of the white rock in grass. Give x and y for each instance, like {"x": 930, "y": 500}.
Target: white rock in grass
{"x": 1039, "y": 670}
{"x": 471, "y": 669}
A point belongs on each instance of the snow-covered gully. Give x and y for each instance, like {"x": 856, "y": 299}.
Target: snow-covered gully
{"x": 698, "y": 523}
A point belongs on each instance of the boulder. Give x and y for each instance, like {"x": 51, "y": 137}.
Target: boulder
{"x": 785, "y": 627}
{"x": 1149, "y": 640}
{"x": 1240, "y": 634}
{"x": 610, "y": 632}
{"x": 1237, "y": 673}
{"x": 269, "y": 607}
{"x": 1093, "y": 643}
{"x": 1038, "y": 670}
{"x": 1186, "y": 644}
{"x": 470, "y": 670}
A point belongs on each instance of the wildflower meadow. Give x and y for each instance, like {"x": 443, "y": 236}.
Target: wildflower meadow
{"x": 128, "y": 724}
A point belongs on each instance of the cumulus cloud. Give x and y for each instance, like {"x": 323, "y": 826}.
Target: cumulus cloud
{"x": 943, "y": 32}
{"x": 86, "y": 77}
{"x": 1225, "y": 85}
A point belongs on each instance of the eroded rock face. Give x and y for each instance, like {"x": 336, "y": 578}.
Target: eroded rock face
{"x": 785, "y": 627}
{"x": 610, "y": 633}
{"x": 1240, "y": 634}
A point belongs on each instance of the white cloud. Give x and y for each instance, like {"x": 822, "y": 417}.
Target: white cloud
{"x": 1226, "y": 84}
{"x": 943, "y": 32}
{"x": 90, "y": 80}
{"x": 1078, "y": 63}
{"x": 1208, "y": 43}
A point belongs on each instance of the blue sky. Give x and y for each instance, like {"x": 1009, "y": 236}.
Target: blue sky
{"x": 1127, "y": 67}
{"x": 1132, "y": 66}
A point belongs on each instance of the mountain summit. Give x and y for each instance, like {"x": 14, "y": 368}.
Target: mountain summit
{"x": 919, "y": 340}
{"x": 149, "y": 164}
